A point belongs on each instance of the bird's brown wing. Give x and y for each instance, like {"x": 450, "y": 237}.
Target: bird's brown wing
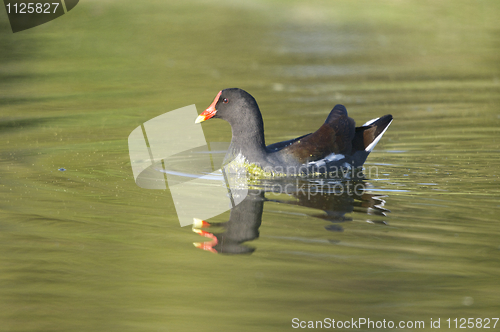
{"x": 334, "y": 136}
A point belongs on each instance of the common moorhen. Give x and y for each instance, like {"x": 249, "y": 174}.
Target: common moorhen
{"x": 338, "y": 143}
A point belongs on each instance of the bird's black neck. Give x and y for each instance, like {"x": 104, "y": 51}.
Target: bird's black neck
{"x": 248, "y": 139}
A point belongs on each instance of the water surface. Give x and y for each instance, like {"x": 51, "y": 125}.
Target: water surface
{"x": 85, "y": 249}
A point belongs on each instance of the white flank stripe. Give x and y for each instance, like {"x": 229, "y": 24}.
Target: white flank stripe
{"x": 334, "y": 157}
{"x": 331, "y": 157}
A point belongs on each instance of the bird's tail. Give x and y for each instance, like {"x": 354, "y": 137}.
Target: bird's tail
{"x": 367, "y": 136}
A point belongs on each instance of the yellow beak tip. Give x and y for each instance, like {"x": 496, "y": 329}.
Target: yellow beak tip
{"x": 199, "y": 119}
{"x": 197, "y": 223}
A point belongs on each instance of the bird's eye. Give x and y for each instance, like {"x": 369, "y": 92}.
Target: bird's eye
{"x": 225, "y": 101}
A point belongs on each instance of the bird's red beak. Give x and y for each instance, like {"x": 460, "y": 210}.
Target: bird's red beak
{"x": 210, "y": 111}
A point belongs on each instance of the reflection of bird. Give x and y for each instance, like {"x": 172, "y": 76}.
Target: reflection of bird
{"x": 346, "y": 197}
{"x": 243, "y": 225}
{"x": 337, "y": 143}
{"x": 245, "y": 218}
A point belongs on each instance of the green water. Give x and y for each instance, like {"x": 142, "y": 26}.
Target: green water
{"x": 86, "y": 249}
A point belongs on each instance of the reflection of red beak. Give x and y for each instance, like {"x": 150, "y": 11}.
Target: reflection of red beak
{"x": 209, "y": 112}
{"x": 208, "y": 246}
